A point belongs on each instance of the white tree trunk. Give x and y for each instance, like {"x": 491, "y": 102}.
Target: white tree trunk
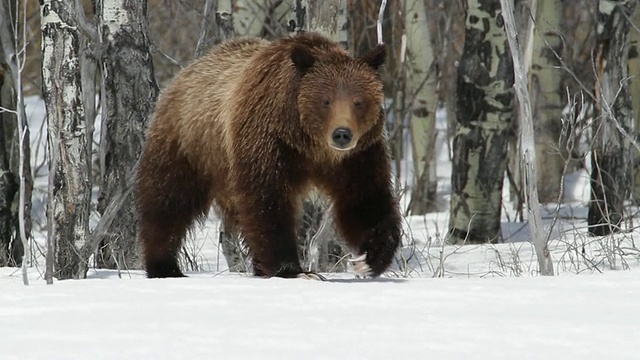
{"x": 225, "y": 20}
{"x": 329, "y": 17}
{"x": 547, "y": 101}
{"x": 245, "y": 16}
{"x": 422, "y": 84}
{"x": 527, "y": 144}
{"x": 298, "y": 20}
{"x": 485, "y": 115}
{"x": 67, "y": 141}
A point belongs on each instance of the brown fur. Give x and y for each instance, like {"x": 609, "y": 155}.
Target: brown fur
{"x": 248, "y": 129}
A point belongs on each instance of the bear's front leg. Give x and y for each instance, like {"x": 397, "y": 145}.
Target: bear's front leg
{"x": 367, "y": 214}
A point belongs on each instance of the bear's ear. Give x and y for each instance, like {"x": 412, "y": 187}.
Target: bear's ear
{"x": 302, "y": 58}
{"x": 375, "y": 57}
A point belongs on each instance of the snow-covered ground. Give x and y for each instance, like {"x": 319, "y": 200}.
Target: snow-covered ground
{"x": 438, "y": 301}
{"x": 239, "y": 317}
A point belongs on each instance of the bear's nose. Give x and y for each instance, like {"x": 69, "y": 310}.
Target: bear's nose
{"x": 342, "y": 136}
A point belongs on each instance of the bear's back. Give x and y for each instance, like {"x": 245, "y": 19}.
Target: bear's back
{"x": 208, "y": 84}
{"x": 193, "y": 108}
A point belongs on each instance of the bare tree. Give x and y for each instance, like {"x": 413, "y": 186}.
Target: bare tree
{"x": 634, "y": 73}
{"x": 329, "y": 17}
{"x": 14, "y": 62}
{"x": 225, "y": 20}
{"x": 578, "y": 25}
{"x": 130, "y": 93}
{"x": 547, "y": 98}
{"x": 449, "y": 42}
{"x": 362, "y": 16}
{"x": 422, "y": 87}
{"x": 10, "y": 248}
{"x": 611, "y": 151}
{"x": 364, "y": 19}
{"x": 246, "y": 17}
{"x": 485, "y": 106}
{"x": 634, "y": 64}
{"x": 89, "y": 73}
{"x": 528, "y": 155}
{"x": 70, "y": 188}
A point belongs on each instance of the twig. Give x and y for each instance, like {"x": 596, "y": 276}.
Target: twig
{"x": 383, "y": 6}
{"x": 87, "y": 28}
{"x": 209, "y": 9}
{"x": 313, "y": 252}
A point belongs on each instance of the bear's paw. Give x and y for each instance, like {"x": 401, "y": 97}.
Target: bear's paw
{"x": 360, "y": 266}
{"x": 311, "y": 276}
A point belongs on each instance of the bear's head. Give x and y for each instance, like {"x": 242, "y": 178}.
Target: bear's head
{"x": 339, "y": 96}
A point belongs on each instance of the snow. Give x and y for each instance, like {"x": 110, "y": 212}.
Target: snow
{"x": 437, "y": 301}
{"x": 240, "y": 317}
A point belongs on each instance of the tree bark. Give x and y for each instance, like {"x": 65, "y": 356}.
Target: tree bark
{"x": 422, "y": 86}
{"x": 447, "y": 24}
{"x": 362, "y": 25}
{"x": 485, "y": 110}
{"x": 10, "y": 247}
{"x": 329, "y": 17}
{"x": 362, "y": 22}
{"x": 130, "y": 93}
{"x": 67, "y": 141}
{"x": 610, "y": 155}
{"x": 246, "y": 17}
{"x": 225, "y": 20}
{"x": 578, "y": 26}
{"x": 89, "y": 73}
{"x": 362, "y": 17}
{"x": 522, "y": 13}
{"x": 634, "y": 73}
{"x": 547, "y": 99}
{"x": 395, "y": 81}
{"x": 15, "y": 185}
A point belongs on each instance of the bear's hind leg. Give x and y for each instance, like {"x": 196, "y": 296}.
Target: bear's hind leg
{"x": 161, "y": 249}
{"x": 172, "y": 195}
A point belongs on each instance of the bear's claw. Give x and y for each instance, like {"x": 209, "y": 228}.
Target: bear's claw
{"x": 360, "y": 265}
{"x": 311, "y": 276}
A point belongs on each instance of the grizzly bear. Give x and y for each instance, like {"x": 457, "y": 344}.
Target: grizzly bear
{"x": 249, "y": 129}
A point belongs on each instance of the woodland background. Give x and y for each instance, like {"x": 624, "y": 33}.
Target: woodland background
{"x": 98, "y": 67}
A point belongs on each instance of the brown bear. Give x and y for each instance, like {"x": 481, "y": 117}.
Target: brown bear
{"x": 249, "y": 128}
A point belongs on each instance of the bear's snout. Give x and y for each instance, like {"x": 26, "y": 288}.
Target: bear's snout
{"x": 342, "y": 130}
{"x": 341, "y": 137}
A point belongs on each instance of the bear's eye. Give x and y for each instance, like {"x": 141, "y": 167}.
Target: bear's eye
{"x": 326, "y": 102}
{"x": 357, "y": 103}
